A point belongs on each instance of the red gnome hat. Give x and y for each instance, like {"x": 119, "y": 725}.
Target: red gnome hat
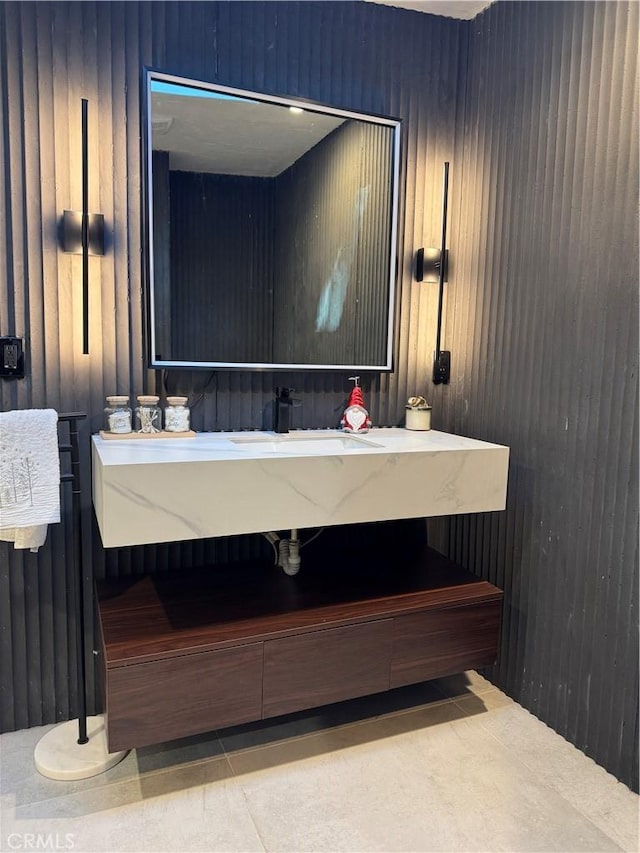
{"x": 355, "y": 417}
{"x": 356, "y": 398}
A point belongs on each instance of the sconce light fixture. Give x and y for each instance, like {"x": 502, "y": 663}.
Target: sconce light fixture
{"x": 432, "y": 266}
{"x": 72, "y": 233}
{"x": 82, "y": 232}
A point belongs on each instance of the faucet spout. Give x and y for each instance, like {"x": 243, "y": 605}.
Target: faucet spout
{"x": 284, "y": 402}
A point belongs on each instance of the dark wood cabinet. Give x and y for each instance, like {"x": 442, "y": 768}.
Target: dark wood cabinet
{"x": 189, "y": 652}
{"x": 165, "y": 699}
{"x": 326, "y": 666}
{"x": 440, "y": 642}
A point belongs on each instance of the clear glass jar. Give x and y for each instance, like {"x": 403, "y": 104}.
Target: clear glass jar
{"x": 148, "y": 414}
{"x": 117, "y": 415}
{"x": 176, "y": 415}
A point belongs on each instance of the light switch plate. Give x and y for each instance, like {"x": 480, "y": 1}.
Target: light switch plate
{"x": 11, "y": 358}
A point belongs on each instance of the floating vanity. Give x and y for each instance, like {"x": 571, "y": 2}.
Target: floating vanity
{"x": 191, "y": 652}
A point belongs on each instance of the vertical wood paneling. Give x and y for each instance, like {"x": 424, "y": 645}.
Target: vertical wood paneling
{"x": 220, "y": 275}
{"x": 354, "y": 55}
{"x": 540, "y": 313}
{"x": 321, "y": 244}
{"x": 545, "y": 328}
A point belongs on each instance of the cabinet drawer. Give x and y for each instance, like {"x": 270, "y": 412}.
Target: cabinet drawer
{"x": 326, "y": 666}
{"x": 435, "y": 643}
{"x": 153, "y": 702}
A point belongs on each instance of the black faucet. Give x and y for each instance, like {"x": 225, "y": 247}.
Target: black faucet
{"x": 284, "y": 402}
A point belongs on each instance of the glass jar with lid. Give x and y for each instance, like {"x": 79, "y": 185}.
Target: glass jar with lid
{"x": 148, "y": 415}
{"x": 176, "y": 415}
{"x": 117, "y": 415}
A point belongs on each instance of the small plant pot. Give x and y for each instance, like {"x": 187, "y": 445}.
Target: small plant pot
{"x": 418, "y": 418}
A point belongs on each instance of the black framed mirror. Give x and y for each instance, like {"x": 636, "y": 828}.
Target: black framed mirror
{"x": 272, "y": 230}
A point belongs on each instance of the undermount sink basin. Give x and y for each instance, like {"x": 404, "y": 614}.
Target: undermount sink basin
{"x": 292, "y": 443}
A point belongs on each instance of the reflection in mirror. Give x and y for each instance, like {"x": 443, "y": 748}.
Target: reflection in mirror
{"x": 272, "y": 231}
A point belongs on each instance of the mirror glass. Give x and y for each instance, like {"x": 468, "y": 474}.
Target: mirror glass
{"x": 272, "y": 229}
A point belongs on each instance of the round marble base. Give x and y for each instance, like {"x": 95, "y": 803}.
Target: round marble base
{"x": 58, "y": 755}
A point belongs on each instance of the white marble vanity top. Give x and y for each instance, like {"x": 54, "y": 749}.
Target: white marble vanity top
{"x": 220, "y": 484}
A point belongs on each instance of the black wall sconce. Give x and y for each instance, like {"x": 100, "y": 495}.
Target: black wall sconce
{"x": 72, "y": 233}
{"x": 82, "y": 232}
{"x": 432, "y": 266}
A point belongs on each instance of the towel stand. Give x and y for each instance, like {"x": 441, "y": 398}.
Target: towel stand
{"x": 73, "y": 448}
{"x": 64, "y": 753}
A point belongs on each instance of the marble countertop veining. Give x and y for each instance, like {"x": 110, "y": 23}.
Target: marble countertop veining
{"x": 223, "y": 484}
{"x": 224, "y": 446}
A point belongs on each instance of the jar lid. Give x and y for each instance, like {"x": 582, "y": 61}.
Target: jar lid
{"x": 117, "y": 400}
{"x": 177, "y": 401}
{"x": 417, "y": 402}
{"x": 425, "y": 408}
{"x": 147, "y": 398}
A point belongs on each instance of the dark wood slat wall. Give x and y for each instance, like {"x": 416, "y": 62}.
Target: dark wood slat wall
{"x": 222, "y": 223}
{"x": 317, "y": 203}
{"x": 535, "y": 109}
{"x": 353, "y": 55}
{"x": 543, "y": 325}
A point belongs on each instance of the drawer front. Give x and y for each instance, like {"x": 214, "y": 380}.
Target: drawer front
{"x": 436, "y": 643}
{"x": 326, "y": 666}
{"x": 154, "y": 702}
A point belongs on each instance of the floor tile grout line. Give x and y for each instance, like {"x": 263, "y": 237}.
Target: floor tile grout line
{"x": 157, "y": 772}
{"x": 238, "y": 780}
{"x": 148, "y": 774}
{"x": 438, "y": 703}
{"x": 251, "y": 817}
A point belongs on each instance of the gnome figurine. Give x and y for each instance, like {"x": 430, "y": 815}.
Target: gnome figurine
{"x": 356, "y": 417}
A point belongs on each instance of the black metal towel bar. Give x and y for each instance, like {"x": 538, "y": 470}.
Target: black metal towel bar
{"x": 73, "y": 448}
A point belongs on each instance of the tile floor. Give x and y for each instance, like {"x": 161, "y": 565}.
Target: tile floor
{"x": 451, "y": 765}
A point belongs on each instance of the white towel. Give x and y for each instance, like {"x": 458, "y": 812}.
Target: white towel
{"x": 29, "y": 476}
